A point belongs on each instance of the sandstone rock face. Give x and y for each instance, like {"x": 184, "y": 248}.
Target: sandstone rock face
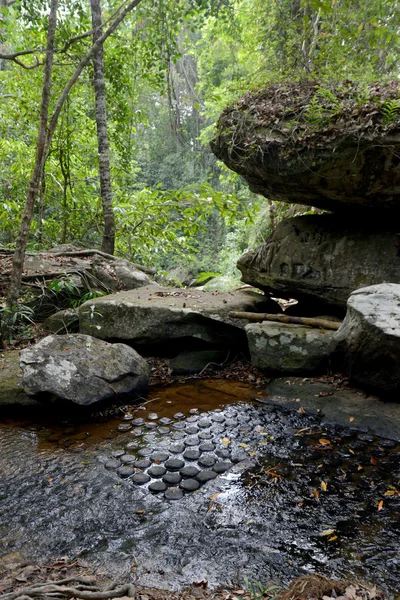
{"x": 83, "y": 370}
{"x": 369, "y": 338}
{"x": 323, "y": 258}
{"x": 343, "y": 157}
{"x": 283, "y": 348}
{"x": 152, "y": 315}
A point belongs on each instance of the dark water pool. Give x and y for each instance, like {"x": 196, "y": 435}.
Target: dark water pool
{"x": 284, "y": 497}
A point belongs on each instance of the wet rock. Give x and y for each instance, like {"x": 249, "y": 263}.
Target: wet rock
{"x": 142, "y": 463}
{"x": 173, "y": 493}
{"x": 207, "y": 447}
{"x": 113, "y": 464}
{"x": 286, "y": 348}
{"x": 156, "y": 471}
{"x": 365, "y": 437}
{"x": 151, "y": 426}
{"x": 128, "y": 417}
{"x": 145, "y": 451}
{"x": 137, "y": 431}
{"x": 177, "y": 448}
{"x": 164, "y": 421}
{"x": 189, "y": 472}
{"x": 321, "y": 259}
{"x": 118, "y": 453}
{"x": 153, "y": 316}
{"x": 124, "y": 427}
{"x": 152, "y": 416}
{"x": 164, "y": 430}
{"x": 191, "y": 454}
{"x": 138, "y": 422}
{"x": 83, "y": 370}
{"x": 222, "y": 466}
{"x": 204, "y": 423}
{"x": 204, "y": 476}
{"x": 125, "y": 471}
{"x": 222, "y": 453}
{"x": 128, "y": 459}
{"x": 140, "y": 478}
{"x": 205, "y": 435}
{"x": 179, "y": 426}
{"x": 191, "y": 441}
{"x": 189, "y": 485}
{"x": 207, "y": 460}
{"x": 369, "y": 338}
{"x": 157, "y": 486}
{"x": 387, "y": 443}
{"x": 172, "y": 478}
{"x": 217, "y": 418}
{"x": 159, "y": 456}
{"x": 174, "y": 464}
{"x": 179, "y": 416}
{"x": 191, "y": 430}
{"x": 178, "y": 435}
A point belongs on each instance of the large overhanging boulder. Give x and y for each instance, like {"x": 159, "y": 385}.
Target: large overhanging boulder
{"x": 335, "y": 148}
{"x": 322, "y": 258}
{"x": 369, "y": 338}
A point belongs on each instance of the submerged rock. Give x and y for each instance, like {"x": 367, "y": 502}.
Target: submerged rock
{"x": 322, "y": 258}
{"x": 283, "y": 348}
{"x": 153, "y": 316}
{"x": 83, "y": 370}
{"x": 303, "y": 144}
{"x": 369, "y": 338}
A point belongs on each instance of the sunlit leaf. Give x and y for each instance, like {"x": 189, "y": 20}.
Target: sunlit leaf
{"x": 326, "y": 532}
{"x": 380, "y": 505}
{"x": 324, "y": 486}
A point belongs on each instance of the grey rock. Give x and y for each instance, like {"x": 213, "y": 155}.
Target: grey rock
{"x": 63, "y": 321}
{"x": 195, "y": 361}
{"x": 11, "y": 391}
{"x": 189, "y": 472}
{"x": 152, "y": 316}
{"x": 204, "y": 476}
{"x": 142, "y": 463}
{"x": 284, "y": 348}
{"x": 83, "y": 370}
{"x": 159, "y": 456}
{"x": 173, "y": 493}
{"x": 172, "y": 478}
{"x": 125, "y": 471}
{"x": 157, "y": 487}
{"x": 369, "y": 338}
{"x": 322, "y": 258}
{"x": 140, "y": 478}
{"x": 174, "y": 464}
{"x": 156, "y": 471}
{"x": 191, "y": 454}
{"x": 189, "y": 485}
{"x": 207, "y": 460}
{"x": 113, "y": 464}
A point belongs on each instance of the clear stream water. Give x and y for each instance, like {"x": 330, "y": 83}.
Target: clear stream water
{"x": 285, "y": 497}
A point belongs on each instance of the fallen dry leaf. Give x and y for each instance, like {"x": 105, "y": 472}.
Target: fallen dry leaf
{"x": 380, "y": 505}
{"x": 324, "y": 487}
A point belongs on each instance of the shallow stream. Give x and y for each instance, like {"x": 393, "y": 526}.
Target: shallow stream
{"x": 203, "y": 484}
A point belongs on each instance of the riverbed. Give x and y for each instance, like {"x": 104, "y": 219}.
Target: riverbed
{"x": 202, "y": 483}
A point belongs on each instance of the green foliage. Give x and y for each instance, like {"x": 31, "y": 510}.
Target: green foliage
{"x": 206, "y": 275}
{"x": 390, "y": 110}
{"x": 16, "y": 322}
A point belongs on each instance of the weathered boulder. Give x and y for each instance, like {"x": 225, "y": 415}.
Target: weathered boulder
{"x": 83, "y": 370}
{"x": 119, "y": 274}
{"x": 369, "y": 338}
{"x": 63, "y": 321}
{"x": 12, "y": 394}
{"x": 153, "y": 316}
{"x": 334, "y": 149}
{"x": 283, "y": 348}
{"x": 322, "y": 258}
{"x": 193, "y": 362}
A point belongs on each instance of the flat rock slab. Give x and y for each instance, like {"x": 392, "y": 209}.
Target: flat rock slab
{"x": 12, "y": 393}
{"x": 369, "y": 338}
{"x": 322, "y": 258}
{"x": 152, "y": 315}
{"x": 284, "y": 348}
{"x": 83, "y": 370}
{"x": 336, "y": 404}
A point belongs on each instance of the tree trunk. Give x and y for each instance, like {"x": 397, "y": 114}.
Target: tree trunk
{"x": 102, "y": 135}
{"x": 44, "y": 142}
{"x": 34, "y": 184}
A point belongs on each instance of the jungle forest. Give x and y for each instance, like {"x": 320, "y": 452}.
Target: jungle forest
{"x": 199, "y": 299}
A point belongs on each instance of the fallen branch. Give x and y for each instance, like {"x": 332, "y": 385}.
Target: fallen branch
{"x": 309, "y": 321}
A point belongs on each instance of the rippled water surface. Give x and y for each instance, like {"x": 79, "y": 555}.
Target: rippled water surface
{"x": 284, "y": 496}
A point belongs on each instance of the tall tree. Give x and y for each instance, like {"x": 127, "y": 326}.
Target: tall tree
{"x": 34, "y": 184}
{"x": 102, "y": 134}
{"x": 46, "y": 132}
